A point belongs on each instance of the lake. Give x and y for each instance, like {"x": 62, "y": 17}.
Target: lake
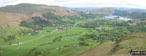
{"x": 118, "y": 17}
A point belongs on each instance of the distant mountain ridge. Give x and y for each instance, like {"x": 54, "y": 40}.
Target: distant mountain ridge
{"x": 25, "y": 12}
{"x": 26, "y": 8}
{"x": 105, "y": 11}
{"x": 133, "y": 13}
{"x": 117, "y": 8}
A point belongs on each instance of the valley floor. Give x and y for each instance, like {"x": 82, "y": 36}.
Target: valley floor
{"x": 51, "y": 43}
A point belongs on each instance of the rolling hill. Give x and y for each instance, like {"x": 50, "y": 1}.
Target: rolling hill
{"x": 11, "y": 16}
{"x": 26, "y": 8}
{"x": 55, "y": 31}
{"x": 14, "y": 14}
{"x": 135, "y": 41}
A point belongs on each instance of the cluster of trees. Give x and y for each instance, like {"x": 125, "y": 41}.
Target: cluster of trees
{"x": 37, "y": 24}
{"x": 9, "y": 38}
{"x": 140, "y": 27}
{"x": 102, "y": 36}
{"x": 34, "y": 52}
{"x": 120, "y": 28}
{"x": 103, "y": 22}
{"x": 75, "y": 17}
{"x": 90, "y": 15}
{"x": 51, "y": 16}
{"x": 57, "y": 39}
{"x": 55, "y": 18}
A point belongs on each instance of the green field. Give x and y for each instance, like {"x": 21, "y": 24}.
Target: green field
{"x": 42, "y": 30}
{"x": 64, "y": 43}
{"x": 65, "y": 40}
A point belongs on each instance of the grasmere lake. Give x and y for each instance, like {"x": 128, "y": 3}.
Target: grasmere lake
{"x": 117, "y": 17}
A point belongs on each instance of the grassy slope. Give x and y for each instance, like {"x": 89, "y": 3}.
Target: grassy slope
{"x": 9, "y": 24}
{"x": 11, "y": 16}
{"x": 101, "y": 50}
{"x": 26, "y": 8}
{"x": 135, "y": 41}
{"x": 11, "y": 19}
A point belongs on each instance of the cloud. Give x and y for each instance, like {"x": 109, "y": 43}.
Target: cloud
{"x": 82, "y": 3}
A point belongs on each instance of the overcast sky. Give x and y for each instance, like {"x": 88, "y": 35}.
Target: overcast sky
{"x": 82, "y": 3}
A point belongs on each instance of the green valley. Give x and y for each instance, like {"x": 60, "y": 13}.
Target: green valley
{"x": 41, "y": 30}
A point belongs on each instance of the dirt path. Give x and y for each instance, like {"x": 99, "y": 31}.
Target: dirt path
{"x": 101, "y": 50}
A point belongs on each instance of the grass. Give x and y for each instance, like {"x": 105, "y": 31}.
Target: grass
{"x": 131, "y": 42}
{"x": 53, "y": 43}
{"x": 85, "y": 21}
{"x": 135, "y": 41}
{"x": 48, "y": 28}
{"x": 69, "y": 39}
{"x": 108, "y": 28}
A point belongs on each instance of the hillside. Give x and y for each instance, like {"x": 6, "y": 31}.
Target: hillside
{"x": 101, "y": 50}
{"x": 11, "y": 19}
{"x": 12, "y": 16}
{"x": 41, "y": 30}
{"x": 135, "y": 41}
{"x": 26, "y": 11}
{"x": 25, "y": 8}
{"x": 15, "y": 14}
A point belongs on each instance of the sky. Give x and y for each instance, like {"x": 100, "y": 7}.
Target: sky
{"x": 82, "y": 3}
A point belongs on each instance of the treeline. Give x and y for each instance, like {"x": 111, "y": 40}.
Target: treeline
{"x": 37, "y": 24}
{"x": 140, "y": 27}
{"x": 90, "y": 15}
